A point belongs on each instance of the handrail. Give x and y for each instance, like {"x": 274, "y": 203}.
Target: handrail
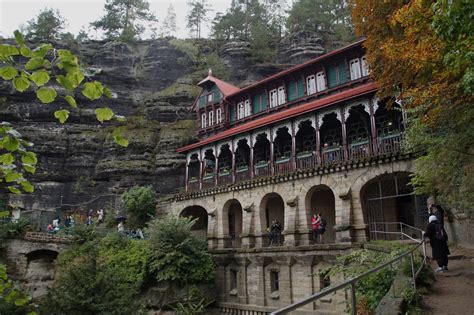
{"x": 352, "y": 281}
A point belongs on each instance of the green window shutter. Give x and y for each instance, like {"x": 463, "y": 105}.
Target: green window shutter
{"x": 202, "y": 101}
{"x": 300, "y": 88}
{"x": 332, "y": 77}
{"x": 217, "y": 95}
{"x": 256, "y": 103}
{"x": 291, "y": 87}
{"x": 264, "y": 101}
{"x": 342, "y": 73}
{"x": 232, "y": 113}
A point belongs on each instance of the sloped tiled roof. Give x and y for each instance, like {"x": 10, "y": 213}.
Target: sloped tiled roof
{"x": 286, "y": 114}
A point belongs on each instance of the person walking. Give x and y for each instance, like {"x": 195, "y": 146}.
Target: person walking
{"x": 439, "y": 243}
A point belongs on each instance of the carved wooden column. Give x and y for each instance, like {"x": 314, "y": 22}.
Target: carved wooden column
{"x": 344, "y": 134}
{"x": 373, "y": 127}
{"x": 293, "y": 146}
{"x": 318, "y": 142}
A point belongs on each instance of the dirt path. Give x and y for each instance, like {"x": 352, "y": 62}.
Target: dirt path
{"x": 453, "y": 292}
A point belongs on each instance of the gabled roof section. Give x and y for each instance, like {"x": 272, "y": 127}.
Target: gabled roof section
{"x": 298, "y": 67}
{"x": 286, "y": 114}
{"x": 224, "y": 87}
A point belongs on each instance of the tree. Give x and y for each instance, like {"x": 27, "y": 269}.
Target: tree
{"x": 178, "y": 256}
{"x": 331, "y": 18}
{"x": 54, "y": 75}
{"x": 421, "y": 52}
{"x": 140, "y": 205}
{"x": 168, "y": 27}
{"x": 122, "y": 19}
{"x": 197, "y": 15}
{"x": 46, "y": 27}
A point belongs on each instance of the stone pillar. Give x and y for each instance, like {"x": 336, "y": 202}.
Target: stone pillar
{"x": 247, "y": 225}
{"x": 258, "y": 275}
{"x": 242, "y": 284}
{"x": 291, "y": 213}
{"x": 286, "y": 287}
{"x": 343, "y": 216}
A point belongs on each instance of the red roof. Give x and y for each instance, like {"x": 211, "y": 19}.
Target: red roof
{"x": 285, "y": 114}
{"x": 299, "y": 67}
{"x": 224, "y": 87}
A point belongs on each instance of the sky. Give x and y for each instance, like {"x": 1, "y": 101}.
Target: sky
{"x": 79, "y": 13}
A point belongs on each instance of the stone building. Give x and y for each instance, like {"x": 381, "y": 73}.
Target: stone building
{"x": 313, "y": 138}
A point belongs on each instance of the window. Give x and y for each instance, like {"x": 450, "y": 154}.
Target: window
{"x": 311, "y": 84}
{"x": 211, "y": 118}
{"x": 355, "y": 69}
{"x": 274, "y": 281}
{"x": 218, "y": 116}
{"x": 364, "y": 66}
{"x": 281, "y": 95}
{"x": 248, "y": 109}
{"x": 233, "y": 279}
{"x": 240, "y": 110}
{"x": 210, "y": 97}
{"x": 203, "y": 121}
{"x": 321, "y": 81}
{"x": 273, "y": 98}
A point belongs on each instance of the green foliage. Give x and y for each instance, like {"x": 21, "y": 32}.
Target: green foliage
{"x": 140, "y": 205}
{"x": 46, "y": 26}
{"x": 177, "y": 255}
{"x": 123, "y": 19}
{"x": 15, "y": 159}
{"x": 12, "y": 300}
{"x": 194, "y": 303}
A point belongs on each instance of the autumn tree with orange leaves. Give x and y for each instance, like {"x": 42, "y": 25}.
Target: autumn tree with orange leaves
{"x": 422, "y": 52}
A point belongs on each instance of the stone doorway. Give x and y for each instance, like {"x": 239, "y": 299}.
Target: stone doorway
{"x": 199, "y": 228}
{"x": 320, "y": 199}
{"x": 389, "y": 198}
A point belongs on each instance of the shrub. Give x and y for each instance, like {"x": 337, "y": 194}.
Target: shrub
{"x": 140, "y": 204}
{"x": 177, "y": 255}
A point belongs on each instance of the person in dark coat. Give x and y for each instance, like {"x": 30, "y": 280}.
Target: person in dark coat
{"x": 439, "y": 243}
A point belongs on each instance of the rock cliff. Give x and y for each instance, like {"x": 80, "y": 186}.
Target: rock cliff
{"x": 154, "y": 82}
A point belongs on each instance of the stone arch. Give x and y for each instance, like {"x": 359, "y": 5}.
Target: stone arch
{"x": 40, "y": 271}
{"x": 389, "y": 198}
{"x": 232, "y": 222}
{"x": 199, "y": 228}
{"x": 272, "y": 207}
{"x": 321, "y": 199}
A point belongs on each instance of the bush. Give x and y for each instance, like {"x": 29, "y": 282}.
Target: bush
{"x": 176, "y": 254}
{"x": 140, "y": 205}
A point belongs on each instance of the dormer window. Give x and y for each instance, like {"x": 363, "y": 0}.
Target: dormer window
{"x": 355, "y": 69}
{"x": 321, "y": 81}
{"x": 211, "y": 118}
{"x": 203, "y": 121}
{"x": 364, "y": 66}
{"x": 311, "y": 84}
{"x": 210, "y": 97}
{"x": 218, "y": 116}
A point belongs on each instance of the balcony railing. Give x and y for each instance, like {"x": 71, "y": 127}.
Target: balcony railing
{"x": 263, "y": 169}
{"x": 389, "y": 144}
{"x": 305, "y": 160}
{"x": 359, "y": 150}
{"x": 283, "y": 165}
{"x": 332, "y": 155}
{"x": 242, "y": 173}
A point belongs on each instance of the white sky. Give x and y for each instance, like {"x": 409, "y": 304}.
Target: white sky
{"x": 79, "y": 13}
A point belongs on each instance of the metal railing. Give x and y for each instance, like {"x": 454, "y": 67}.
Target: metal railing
{"x": 353, "y": 281}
